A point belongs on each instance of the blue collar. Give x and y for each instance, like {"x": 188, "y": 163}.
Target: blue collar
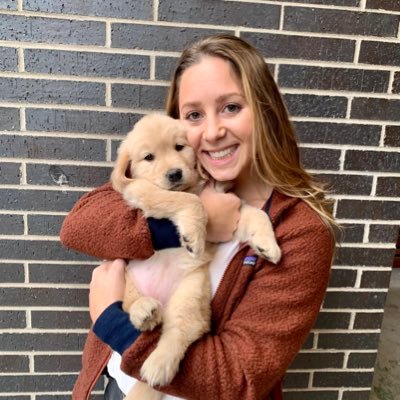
{"x": 268, "y": 204}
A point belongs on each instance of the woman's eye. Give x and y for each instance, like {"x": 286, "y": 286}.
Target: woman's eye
{"x": 232, "y": 108}
{"x": 179, "y": 147}
{"x": 149, "y": 157}
{"x": 193, "y": 116}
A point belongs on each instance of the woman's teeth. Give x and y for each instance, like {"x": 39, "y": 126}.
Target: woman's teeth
{"x": 217, "y": 155}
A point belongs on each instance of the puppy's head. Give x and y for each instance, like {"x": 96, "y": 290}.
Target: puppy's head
{"x": 157, "y": 150}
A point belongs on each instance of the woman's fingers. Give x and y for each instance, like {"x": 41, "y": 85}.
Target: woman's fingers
{"x": 107, "y": 286}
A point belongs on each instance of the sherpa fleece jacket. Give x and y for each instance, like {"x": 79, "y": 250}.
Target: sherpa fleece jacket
{"x": 261, "y": 313}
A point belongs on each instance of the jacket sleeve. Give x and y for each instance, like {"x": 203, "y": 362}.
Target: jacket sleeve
{"x": 102, "y": 225}
{"x": 267, "y": 328}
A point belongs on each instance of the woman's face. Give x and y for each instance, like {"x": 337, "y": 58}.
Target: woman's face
{"x": 217, "y": 117}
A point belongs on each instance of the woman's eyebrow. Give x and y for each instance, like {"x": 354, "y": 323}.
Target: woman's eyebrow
{"x": 227, "y": 96}
{"x": 191, "y": 104}
{"x": 220, "y": 99}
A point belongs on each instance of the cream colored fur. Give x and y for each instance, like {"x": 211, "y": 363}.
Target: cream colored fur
{"x": 153, "y": 151}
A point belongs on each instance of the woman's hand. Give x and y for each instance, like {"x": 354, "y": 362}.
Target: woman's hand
{"x": 107, "y": 286}
{"x": 223, "y": 210}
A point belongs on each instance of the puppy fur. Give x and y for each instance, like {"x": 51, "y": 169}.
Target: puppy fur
{"x": 156, "y": 172}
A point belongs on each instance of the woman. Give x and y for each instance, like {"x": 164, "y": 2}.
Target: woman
{"x": 238, "y": 125}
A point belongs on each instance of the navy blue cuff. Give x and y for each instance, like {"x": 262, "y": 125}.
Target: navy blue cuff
{"x": 114, "y": 328}
{"x": 164, "y": 234}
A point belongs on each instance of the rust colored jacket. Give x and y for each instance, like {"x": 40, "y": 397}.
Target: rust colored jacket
{"x": 261, "y": 314}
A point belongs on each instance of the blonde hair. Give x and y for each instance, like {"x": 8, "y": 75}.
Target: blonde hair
{"x": 275, "y": 151}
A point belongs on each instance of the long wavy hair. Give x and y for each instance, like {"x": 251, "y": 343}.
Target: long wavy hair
{"x": 276, "y": 158}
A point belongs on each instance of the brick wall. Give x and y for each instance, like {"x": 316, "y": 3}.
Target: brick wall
{"x": 74, "y": 77}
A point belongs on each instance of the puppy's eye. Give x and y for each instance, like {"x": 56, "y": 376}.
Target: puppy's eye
{"x": 179, "y": 147}
{"x": 149, "y": 157}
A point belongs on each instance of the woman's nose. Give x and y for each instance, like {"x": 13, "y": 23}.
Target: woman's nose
{"x": 214, "y": 131}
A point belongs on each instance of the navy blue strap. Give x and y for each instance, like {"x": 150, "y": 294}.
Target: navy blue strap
{"x": 268, "y": 204}
{"x": 164, "y": 234}
{"x": 114, "y": 328}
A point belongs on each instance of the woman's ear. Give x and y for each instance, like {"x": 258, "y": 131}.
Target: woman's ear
{"x": 120, "y": 176}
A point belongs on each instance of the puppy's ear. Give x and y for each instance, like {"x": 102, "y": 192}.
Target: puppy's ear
{"x": 120, "y": 176}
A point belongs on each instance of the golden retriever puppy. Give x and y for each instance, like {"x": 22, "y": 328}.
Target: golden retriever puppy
{"x": 156, "y": 172}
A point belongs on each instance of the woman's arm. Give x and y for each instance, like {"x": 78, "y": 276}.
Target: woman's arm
{"x": 256, "y": 345}
{"x": 102, "y": 225}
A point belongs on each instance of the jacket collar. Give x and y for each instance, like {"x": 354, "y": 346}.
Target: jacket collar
{"x": 279, "y": 203}
{"x": 275, "y": 206}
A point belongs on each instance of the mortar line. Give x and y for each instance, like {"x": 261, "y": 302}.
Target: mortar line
{"x": 349, "y": 105}
{"x": 31, "y": 363}
{"x": 357, "y": 51}
{"x": 22, "y": 118}
{"x": 383, "y": 136}
{"x": 315, "y": 341}
{"x": 276, "y": 72}
{"x": 21, "y": 59}
{"x": 342, "y": 159}
{"x": 28, "y": 319}
{"x": 366, "y": 233}
{"x": 108, "y": 91}
{"x": 108, "y": 35}
{"x": 108, "y": 149}
{"x": 391, "y": 82}
{"x": 26, "y": 273}
{"x": 357, "y": 283}
{"x": 374, "y": 185}
{"x": 352, "y": 320}
{"x": 346, "y": 359}
{"x": 310, "y": 379}
{"x": 281, "y": 18}
{"x": 152, "y": 67}
{"x": 25, "y": 222}
{"x": 155, "y": 10}
{"x": 23, "y": 180}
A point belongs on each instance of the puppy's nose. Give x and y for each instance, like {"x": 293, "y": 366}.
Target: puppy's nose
{"x": 174, "y": 175}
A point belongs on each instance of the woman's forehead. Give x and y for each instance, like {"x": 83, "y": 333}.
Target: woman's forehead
{"x": 212, "y": 76}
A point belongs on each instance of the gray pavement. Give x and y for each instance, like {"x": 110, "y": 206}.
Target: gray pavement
{"x": 386, "y": 384}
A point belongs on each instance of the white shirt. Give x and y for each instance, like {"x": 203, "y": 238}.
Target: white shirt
{"x": 222, "y": 258}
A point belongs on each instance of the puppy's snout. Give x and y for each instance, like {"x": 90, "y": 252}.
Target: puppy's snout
{"x": 174, "y": 175}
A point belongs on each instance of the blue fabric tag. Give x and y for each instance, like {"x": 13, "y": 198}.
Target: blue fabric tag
{"x": 250, "y": 261}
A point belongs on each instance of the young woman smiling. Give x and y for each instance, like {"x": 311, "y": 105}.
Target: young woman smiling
{"x": 238, "y": 125}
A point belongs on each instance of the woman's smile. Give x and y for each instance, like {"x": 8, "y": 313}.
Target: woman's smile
{"x": 222, "y": 156}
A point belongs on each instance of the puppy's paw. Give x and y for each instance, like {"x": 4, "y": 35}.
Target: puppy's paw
{"x": 193, "y": 242}
{"x": 145, "y": 313}
{"x": 256, "y": 229}
{"x": 191, "y": 223}
{"x": 160, "y": 367}
{"x": 264, "y": 245}
{"x": 271, "y": 252}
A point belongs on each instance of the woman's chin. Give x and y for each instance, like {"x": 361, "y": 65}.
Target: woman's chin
{"x": 220, "y": 176}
